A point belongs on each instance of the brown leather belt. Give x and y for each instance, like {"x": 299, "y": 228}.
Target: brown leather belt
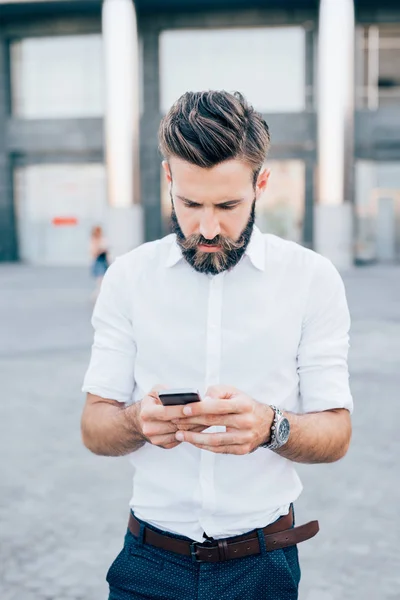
{"x": 277, "y": 535}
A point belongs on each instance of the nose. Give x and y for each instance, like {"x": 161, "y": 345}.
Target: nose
{"x": 209, "y": 225}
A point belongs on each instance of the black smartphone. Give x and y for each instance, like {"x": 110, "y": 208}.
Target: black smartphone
{"x": 179, "y": 396}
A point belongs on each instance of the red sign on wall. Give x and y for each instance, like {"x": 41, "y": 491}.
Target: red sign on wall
{"x": 64, "y": 221}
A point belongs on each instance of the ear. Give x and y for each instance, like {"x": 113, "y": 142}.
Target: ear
{"x": 262, "y": 181}
{"x": 167, "y": 171}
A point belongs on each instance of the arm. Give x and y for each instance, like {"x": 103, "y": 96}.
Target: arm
{"x": 322, "y": 434}
{"x": 317, "y": 437}
{"x": 110, "y": 428}
{"x": 314, "y": 438}
{"x": 109, "y": 422}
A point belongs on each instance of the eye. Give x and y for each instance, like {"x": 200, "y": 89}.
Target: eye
{"x": 227, "y": 206}
{"x": 191, "y": 205}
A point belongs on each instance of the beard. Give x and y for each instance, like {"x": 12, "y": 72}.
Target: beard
{"x": 212, "y": 263}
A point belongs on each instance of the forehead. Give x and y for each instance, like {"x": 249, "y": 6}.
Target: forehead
{"x": 226, "y": 181}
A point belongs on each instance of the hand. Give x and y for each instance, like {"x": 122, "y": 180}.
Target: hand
{"x": 247, "y": 421}
{"x": 155, "y": 420}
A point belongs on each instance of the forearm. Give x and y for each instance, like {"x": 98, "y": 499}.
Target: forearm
{"x": 109, "y": 430}
{"x": 321, "y": 437}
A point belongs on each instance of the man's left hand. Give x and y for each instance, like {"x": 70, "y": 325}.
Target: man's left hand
{"x": 247, "y": 421}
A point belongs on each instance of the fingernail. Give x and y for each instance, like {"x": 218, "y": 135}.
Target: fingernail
{"x": 187, "y": 411}
{"x": 179, "y": 436}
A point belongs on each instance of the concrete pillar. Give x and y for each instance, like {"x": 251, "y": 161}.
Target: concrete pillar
{"x": 333, "y": 232}
{"x": 121, "y": 59}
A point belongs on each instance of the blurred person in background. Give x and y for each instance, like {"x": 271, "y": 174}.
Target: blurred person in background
{"x": 99, "y": 254}
{"x": 260, "y": 326}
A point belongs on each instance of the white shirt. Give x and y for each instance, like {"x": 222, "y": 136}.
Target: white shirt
{"x": 275, "y": 326}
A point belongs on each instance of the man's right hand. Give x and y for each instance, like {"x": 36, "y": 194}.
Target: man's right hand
{"x": 154, "y": 420}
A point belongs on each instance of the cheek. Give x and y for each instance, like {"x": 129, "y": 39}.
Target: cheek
{"x": 188, "y": 220}
{"x": 232, "y": 224}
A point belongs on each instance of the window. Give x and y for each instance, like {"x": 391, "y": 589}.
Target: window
{"x": 57, "y": 77}
{"x": 56, "y": 207}
{"x": 379, "y": 67}
{"x": 266, "y": 64}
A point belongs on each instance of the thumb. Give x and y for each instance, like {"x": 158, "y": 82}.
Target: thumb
{"x": 154, "y": 392}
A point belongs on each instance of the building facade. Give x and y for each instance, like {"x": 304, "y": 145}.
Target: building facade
{"x": 84, "y": 84}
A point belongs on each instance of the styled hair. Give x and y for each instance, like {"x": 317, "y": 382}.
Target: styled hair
{"x": 207, "y": 128}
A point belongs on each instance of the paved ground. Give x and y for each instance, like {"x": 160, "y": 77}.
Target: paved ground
{"x": 63, "y": 511}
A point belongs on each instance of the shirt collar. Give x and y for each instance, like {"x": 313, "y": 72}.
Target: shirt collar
{"x": 174, "y": 254}
{"x": 255, "y": 251}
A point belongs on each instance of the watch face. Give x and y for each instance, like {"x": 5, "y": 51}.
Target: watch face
{"x": 284, "y": 430}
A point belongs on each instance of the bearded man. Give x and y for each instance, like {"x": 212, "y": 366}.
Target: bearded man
{"x": 259, "y": 326}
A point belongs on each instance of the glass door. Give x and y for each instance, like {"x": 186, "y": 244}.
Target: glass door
{"x": 377, "y": 211}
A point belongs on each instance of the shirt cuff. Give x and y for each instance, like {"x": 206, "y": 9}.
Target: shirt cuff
{"x": 330, "y": 404}
{"x": 106, "y": 393}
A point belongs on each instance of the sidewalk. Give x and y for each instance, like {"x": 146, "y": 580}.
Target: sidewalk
{"x": 63, "y": 511}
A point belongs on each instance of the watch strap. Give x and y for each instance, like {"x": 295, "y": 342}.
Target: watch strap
{"x": 273, "y": 443}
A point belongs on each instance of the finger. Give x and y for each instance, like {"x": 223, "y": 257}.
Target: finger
{"x": 234, "y": 421}
{"x": 154, "y": 410}
{"x": 166, "y": 413}
{"x": 154, "y": 392}
{"x": 170, "y": 446}
{"x": 212, "y": 439}
{"x": 164, "y": 440}
{"x": 223, "y": 392}
{"x": 237, "y": 449}
{"x": 191, "y": 427}
{"x": 151, "y": 429}
{"x": 212, "y": 407}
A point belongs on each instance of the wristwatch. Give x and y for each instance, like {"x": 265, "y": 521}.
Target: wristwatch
{"x": 280, "y": 431}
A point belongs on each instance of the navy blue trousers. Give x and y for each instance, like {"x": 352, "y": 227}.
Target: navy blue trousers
{"x": 143, "y": 572}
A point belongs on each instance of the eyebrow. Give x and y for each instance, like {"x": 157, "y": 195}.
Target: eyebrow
{"x": 227, "y": 203}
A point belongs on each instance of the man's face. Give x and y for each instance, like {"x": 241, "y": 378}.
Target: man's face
{"x": 213, "y": 211}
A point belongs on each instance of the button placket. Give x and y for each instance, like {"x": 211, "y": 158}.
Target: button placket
{"x": 213, "y": 362}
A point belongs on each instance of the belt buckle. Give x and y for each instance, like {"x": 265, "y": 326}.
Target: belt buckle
{"x": 193, "y": 550}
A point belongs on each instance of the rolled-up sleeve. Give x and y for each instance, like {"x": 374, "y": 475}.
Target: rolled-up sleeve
{"x": 111, "y": 372}
{"x": 323, "y": 349}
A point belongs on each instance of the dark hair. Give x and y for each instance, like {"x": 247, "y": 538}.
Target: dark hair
{"x": 207, "y": 128}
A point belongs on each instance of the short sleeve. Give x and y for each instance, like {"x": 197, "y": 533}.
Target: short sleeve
{"x": 111, "y": 372}
{"x": 323, "y": 349}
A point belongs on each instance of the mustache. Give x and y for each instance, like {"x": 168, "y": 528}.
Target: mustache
{"x": 225, "y": 243}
